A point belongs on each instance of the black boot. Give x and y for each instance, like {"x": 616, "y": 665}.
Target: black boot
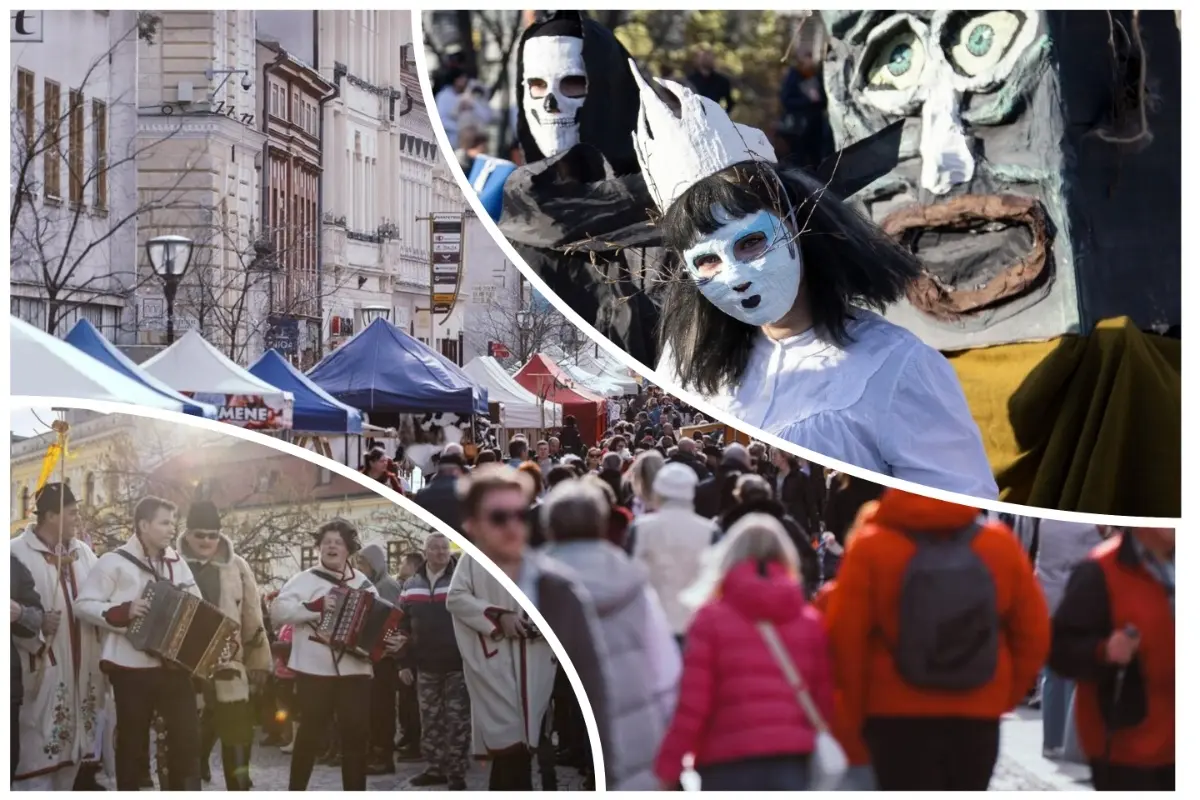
{"x": 235, "y": 759}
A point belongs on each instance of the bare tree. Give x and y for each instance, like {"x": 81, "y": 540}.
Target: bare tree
{"x": 62, "y": 230}
{"x": 241, "y": 277}
{"x": 523, "y": 321}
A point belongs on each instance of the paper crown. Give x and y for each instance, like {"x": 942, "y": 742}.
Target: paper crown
{"x": 682, "y": 138}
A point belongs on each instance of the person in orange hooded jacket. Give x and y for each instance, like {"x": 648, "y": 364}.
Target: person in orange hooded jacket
{"x": 922, "y": 739}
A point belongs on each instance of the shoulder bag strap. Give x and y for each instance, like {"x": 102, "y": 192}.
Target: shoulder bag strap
{"x": 138, "y": 563}
{"x": 780, "y": 654}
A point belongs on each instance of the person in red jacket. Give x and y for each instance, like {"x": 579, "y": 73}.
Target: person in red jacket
{"x": 737, "y": 714}
{"x": 927, "y": 739}
{"x": 1114, "y": 633}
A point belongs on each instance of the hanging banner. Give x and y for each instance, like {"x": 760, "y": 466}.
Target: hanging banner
{"x": 254, "y": 412}
{"x": 445, "y": 259}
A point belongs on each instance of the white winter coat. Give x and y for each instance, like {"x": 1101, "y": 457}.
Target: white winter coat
{"x": 310, "y": 657}
{"x": 115, "y": 581}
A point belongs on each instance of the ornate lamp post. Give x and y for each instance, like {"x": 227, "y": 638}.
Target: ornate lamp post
{"x": 170, "y": 257}
{"x": 372, "y": 313}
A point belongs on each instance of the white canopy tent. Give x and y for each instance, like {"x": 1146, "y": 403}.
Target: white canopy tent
{"x": 45, "y": 366}
{"x": 519, "y": 407}
{"x": 196, "y": 368}
{"x": 590, "y": 363}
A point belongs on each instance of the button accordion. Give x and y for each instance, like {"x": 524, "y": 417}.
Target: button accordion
{"x": 356, "y": 621}
{"x": 184, "y": 630}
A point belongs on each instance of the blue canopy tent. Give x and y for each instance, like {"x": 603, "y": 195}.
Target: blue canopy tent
{"x": 315, "y": 411}
{"x": 86, "y": 338}
{"x": 384, "y": 370}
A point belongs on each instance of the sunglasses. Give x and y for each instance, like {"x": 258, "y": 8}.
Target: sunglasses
{"x": 211, "y": 536}
{"x": 500, "y": 517}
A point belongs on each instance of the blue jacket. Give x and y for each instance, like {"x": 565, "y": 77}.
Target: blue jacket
{"x": 487, "y": 178}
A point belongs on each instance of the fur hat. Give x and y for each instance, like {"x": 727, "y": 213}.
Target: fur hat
{"x": 203, "y": 516}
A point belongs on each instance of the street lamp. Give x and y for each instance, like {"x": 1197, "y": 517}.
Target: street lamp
{"x": 372, "y": 313}
{"x": 170, "y": 257}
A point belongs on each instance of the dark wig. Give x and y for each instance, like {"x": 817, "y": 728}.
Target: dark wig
{"x": 848, "y": 262}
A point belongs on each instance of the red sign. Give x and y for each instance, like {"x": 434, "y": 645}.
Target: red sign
{"x": 498, "y": 350}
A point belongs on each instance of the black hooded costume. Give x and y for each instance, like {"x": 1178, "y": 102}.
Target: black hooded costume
{"x": 581, "y": 219}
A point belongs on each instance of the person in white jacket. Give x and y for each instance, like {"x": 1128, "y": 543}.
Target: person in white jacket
{"x": 327, "y": 681}
{"x": 142, "y": 684}
{"x": 672, "y": 540}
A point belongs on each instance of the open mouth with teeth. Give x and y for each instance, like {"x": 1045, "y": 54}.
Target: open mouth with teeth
{"x": 559, "y": 120}
{"x": 977, "y": 251}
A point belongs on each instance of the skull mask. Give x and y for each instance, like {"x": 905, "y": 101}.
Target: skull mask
{"x": 555, "y": 88}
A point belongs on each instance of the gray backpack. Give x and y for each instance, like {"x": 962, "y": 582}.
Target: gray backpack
{"x": 949, "y": 621}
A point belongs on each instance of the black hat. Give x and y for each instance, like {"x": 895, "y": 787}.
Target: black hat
{"x": 53, "y": 498}
{"x": 559, "y": 23}
{"x": 203, "y": 516}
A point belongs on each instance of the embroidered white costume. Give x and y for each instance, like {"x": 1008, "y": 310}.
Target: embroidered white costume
{"x": 64, "y": 687}
{"x": 509, "y": 680}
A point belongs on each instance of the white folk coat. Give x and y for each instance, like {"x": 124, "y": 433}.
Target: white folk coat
{"x": 59, "y": 712}
{"x": 510, "y": 680}
{"x": 116, "y": 581}
{"x": 310, "y": 657}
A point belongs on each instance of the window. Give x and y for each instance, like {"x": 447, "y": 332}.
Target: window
{"x": 395, "y": 555}
{"x": 26, "y": 102}
{"x": 308, "y": 557}
{"x": 52, "y": 102}
{"x": 75, "y": 147}
{"x": 89, "y": 490}
{"x": 100, "y": 151}
{"x": 260, "y": 565}
{"x": 324, "y": 477}
{"x": 24, "y": 502}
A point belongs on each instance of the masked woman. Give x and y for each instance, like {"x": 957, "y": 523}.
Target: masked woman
{"x": 768, "y": 313}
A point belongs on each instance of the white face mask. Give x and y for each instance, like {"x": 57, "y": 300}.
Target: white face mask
{"x": 555, "y": 88}
{"x": 750, "y": 268}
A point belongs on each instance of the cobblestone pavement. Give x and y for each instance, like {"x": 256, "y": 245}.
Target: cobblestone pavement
{"x": 1023, "y": 768}
{"x": 269, "y": 771}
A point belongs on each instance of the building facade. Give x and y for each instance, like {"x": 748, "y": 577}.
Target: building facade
{"x": 290, "y": 108}
{"x": 73, "y": 172}
{"x": 201, "y": 147}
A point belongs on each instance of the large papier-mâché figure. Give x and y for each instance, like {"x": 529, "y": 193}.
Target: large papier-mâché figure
{"x": 1026, "y": 185}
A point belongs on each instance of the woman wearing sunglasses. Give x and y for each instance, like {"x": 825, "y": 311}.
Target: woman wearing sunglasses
{"x": 226, "y": 580}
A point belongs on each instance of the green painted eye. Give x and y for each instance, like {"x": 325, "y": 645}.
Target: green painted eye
{"x": 898, "y": 63}
{"x": 982, "y": 41}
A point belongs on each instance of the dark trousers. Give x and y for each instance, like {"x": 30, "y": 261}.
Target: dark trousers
{"x": 138, "y": 694}
{"x": 512, "y": 771}
{"x": 933, "y": 753}
{"x": 233, "y": 724}
{"x": 769, "y": 774}
{"x": 410, "y": 715}
{"x": 317, "y": 698}
{"x": 1118, "y": 778}
{"x": 383, "y": 708}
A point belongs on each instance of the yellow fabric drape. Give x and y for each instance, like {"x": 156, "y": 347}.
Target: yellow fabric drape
{"x": 1082, "y": 423}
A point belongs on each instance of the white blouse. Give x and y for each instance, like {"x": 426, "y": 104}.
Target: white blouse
{"x": 885, "y": 402}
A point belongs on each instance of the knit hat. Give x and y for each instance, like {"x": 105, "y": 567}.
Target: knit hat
{"x": 203, "y": 516}
{"x": 53, "y": 498}
{"x": 676, "y": 482}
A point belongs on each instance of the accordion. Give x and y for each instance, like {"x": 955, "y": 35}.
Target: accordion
{"x": 357, "y": 622}
{"x": 184, "y": 630}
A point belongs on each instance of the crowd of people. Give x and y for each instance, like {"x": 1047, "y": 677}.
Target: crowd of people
{"x": 87, "y": 700}
{"x": 732, "y": 611}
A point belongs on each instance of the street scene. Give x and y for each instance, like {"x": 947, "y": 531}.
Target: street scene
{"x": 303, "y": 695}
{"x": 912, "y": 184}
{"x": 244, "y": 217}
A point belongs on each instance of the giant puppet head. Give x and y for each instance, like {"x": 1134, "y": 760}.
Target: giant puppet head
{"x": 1032, "y": 219}
{"x": 573, "y": 86}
